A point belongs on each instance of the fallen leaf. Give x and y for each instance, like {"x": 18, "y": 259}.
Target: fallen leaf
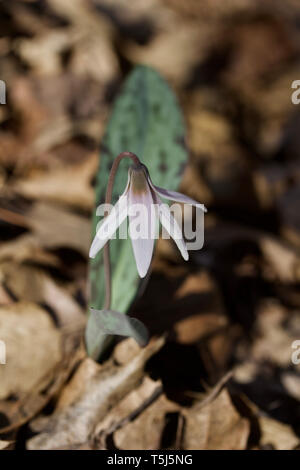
{"x": 51, "y": 186}
{"x": 33, "y": 347}
{"x": 129, "y": 408}
{"x": 210, "y": 317}
{"x": 163, "y": 53}
{"x": 6, "y": 445}
{"x": 74, "y": 424}
{"x": 125, "y": 351}
{"x": 279, "y": 435}
{"x": 217, "y": 426}
{"x": 145, "y": 432}
{"x": 93, "y": 54}
{"x": 274, "y": 343}
{"x": 34, "y": 285}
{"x": 22, "y": 410}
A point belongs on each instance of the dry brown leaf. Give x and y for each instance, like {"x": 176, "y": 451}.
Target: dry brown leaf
{"x": 56, "y": 227}
{"x": 217, "y": 426}
{"x": 145, "y": 432}
{"x": 27, "y": 247}
{"x": 6, "y": 445}
{"x": 232, "y": 64}
{"x": 285, "y": 261}
{"x": 33, "y": 347}
{"x": 87, "y": 370}
{"x": 27, "y": 20}
{"x": 260, "y": 46}
{"x": 246, "y": 372}
{"x": 29, "y": 404}
{"x": 34, "y": 285}
{"x": 5, "y": 298}
{"x": 210, "y": 317}
{"x": 274, "y": 341}
{"x": 74, "y": 424}
{"x": 93, "y": 53}
{"x": 43, "y": 219}
{"x": 125, "y": 351}
{"x": 283, "y": 258}
{"x": 174, "y": 50}
{"x": 71, "y": 392}
{"x": 52, "y": 186}
{"x": 57, "y": 131}
{"x": 280, "y": 436}
{"x": 224, "y": 165}
{"x": 176, "y": 46}
{"x": 43, "y": 53}
{"x": 123, "y": 412}
{"x": 32, "y": 112}
{"x": 272, "y": 433}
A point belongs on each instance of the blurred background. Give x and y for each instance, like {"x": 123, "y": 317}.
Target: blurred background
{"x": 225, "y": 376}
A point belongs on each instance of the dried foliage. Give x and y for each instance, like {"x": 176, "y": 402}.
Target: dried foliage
{"x": 218, "y": 372}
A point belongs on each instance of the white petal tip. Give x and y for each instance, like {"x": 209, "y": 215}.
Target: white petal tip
{"x": 201, "y": 206}
{"x": 142, "y": 270}
{"x": 92, "y": 252}
{"x": 185, "y": 256}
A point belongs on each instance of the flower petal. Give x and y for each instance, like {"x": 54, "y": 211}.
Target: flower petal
{"x": 169, "y": 222}
{"x": 142, "y": 223}
{"x": 109, "y": 225}
{"x": 175, "y": 196}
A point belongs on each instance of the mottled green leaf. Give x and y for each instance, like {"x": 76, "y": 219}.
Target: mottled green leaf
{"x": 110, "y": 322}
{"x": 147, "y": 121}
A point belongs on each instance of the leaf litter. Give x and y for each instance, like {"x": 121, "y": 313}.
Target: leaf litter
{"x": 222, "y": 377}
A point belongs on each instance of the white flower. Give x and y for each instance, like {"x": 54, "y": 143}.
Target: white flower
{"x": 141, "y": 191}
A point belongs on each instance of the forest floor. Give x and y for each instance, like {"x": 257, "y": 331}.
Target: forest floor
{"x": 219, "y": 371}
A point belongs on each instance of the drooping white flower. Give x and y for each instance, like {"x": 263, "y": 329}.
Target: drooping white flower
{"x": 141, "y": 192}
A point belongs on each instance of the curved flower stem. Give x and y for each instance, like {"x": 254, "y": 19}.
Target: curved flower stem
{"x": 108, "y": 196}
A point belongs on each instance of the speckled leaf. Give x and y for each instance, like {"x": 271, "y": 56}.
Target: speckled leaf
{"x": 146, "y": 120}
{"x": 109, "y": 322}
